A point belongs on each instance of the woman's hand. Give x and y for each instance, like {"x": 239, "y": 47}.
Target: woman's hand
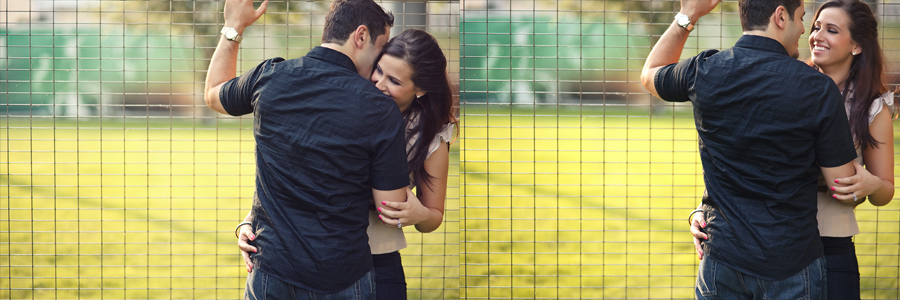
{"x": 861, "y": 185}
{"x": 244, "y": 238}
{"x": 407, "y": 213}
{"x": 698, "y": 223}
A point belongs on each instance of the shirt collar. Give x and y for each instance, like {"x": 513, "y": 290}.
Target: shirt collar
{"x": 332, "y": 56}
{"x": 761, "y": 43}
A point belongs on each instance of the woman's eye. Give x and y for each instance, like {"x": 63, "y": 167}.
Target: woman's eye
{"x": 832, "y": 31}
{"x": 815, "y": 29}
{"x": 394, "y": 81}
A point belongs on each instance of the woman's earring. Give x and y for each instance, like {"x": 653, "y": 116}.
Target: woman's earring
{"x": 419, "y": 101}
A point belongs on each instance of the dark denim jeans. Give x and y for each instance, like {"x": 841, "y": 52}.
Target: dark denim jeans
{"x": 390, "y": 281}
{"x": 843, "y": 268}
{"x": 717, "y": 281}
{"x": 261, "y": 286}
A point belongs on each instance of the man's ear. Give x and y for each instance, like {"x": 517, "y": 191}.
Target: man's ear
{"x": 360, "y": 36}
{"x": 780, "y": 17}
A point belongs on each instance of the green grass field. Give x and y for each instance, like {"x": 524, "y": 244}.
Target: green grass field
{"x": 572, "y": 204}
{"x": 557, "y": 204}
{"x": 145, "y": 209}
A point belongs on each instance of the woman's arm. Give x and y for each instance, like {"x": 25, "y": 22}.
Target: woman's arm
{"x": 425, "y": 210}
{"x": 880, "y": 160}
{"x": 434, "y": 196}
{"x": 876, "y": 181}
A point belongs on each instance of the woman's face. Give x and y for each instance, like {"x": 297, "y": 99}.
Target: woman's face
{"x": 830, "y": 41}
{"x": 393, "y": 76}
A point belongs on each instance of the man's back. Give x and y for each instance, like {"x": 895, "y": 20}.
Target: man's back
{"x": 766, "y": 122}
{"x": 758, "y": 116}
{"x": 325, "y": 137}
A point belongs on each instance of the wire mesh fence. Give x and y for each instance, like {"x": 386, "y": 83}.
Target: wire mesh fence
{"x": 574, "y": 182}
{"x": 577, "y": 183}
{"x": 117, "y": 180}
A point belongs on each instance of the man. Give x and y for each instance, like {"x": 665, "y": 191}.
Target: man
{"x": 768, "y": 124}
{"x": 327, "y": 143}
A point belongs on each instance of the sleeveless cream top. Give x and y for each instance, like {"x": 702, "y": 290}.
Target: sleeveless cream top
{"x": 836, "y": 220}
{"x": 383, "y": 239}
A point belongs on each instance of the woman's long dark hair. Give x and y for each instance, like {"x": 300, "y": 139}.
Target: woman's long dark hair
{"x": 866, "y": 70}
{"x": 421, "y": 51}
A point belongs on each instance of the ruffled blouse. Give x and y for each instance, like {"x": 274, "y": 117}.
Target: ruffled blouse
{"x": 383, "y": 239}
{"x": 835, "y": 219}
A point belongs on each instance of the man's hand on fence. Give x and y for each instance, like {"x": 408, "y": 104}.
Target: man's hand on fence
{"x": 240, "y": 13}
{"x": 695, "y": 9}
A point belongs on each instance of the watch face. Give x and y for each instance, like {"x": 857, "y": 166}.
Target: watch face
{"x": 683, "y": 20}
{"x": 230, "y": 33}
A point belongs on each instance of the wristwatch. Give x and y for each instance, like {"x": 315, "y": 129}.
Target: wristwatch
{"x": 684, "y": 21}
{"x": 232, "y": 34}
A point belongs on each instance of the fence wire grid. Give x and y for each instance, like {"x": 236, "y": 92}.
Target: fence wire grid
{"x": 119, "y": 183}
{"x": 577, "y": 183}
{"x": 572, "y": 182}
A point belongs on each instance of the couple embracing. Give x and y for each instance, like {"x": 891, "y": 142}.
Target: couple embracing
{"x": 342, "y": 136}
{"x": 783, "y": 145}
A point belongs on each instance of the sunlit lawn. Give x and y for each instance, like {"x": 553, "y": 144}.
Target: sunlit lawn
{"x": 574, "y": 204}
{"x": 559, "y": 204}
{"x": 146, "y": 209}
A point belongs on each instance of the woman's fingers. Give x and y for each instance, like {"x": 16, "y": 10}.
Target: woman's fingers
{"x": 699, "y": 247}
{"x": 393, "y": 214}
{"x": 247, "y": 261}
{"x": 389, "y": 222}
{"x": 244, "y": 239}
{"x": 697, "y": 225}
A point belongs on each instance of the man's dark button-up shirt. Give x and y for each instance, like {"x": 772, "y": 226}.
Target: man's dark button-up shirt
{"x": 766, "y": 122}
{"x": 325, "y": 137}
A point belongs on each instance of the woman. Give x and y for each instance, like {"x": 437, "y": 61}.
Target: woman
{"x": 413, "y": 70}
{"x": 844, "y": 44}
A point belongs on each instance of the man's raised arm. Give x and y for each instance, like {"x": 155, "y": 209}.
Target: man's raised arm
{"x": 223, "y": 65}
{"x": 668, "y": 49}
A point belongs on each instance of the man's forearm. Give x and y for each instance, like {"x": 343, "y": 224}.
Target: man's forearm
{"x": 666, "y": 51}
{"x": 222, "y": 67}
